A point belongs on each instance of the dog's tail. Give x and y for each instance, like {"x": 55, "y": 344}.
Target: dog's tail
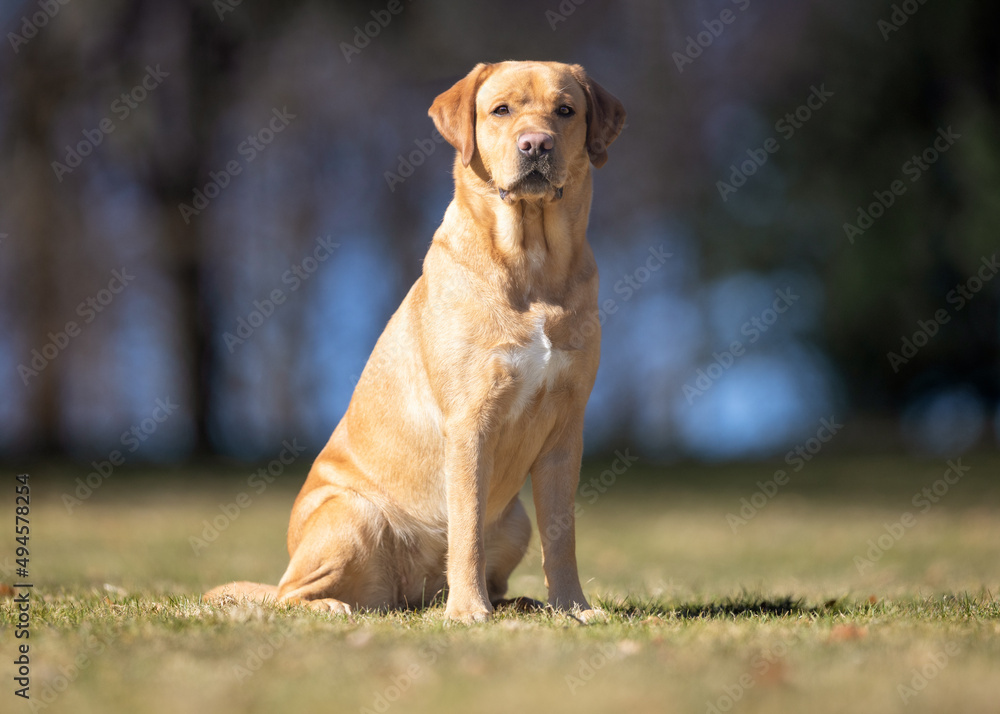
{"x": 241, "y": 592}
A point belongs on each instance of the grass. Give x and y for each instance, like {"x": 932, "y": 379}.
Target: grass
{"x": 773, "y": 617}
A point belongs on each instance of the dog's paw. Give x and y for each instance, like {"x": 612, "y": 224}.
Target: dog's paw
{"x": 331, "y": 605}
{"x": 468, "y": 614}
{"x": 591, "y": 616}
{"x": 468, "y": 618}
{"x": 580, "y": 610}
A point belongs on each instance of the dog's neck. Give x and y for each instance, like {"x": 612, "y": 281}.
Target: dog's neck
{"x": 538, "y": 245}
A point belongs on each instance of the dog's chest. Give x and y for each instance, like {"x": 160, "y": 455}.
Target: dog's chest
{"x": 533, "y": 365}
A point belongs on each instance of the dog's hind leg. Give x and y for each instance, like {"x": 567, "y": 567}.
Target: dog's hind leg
{"x": 241, "y": 591}
{"x": 335, "y": 565}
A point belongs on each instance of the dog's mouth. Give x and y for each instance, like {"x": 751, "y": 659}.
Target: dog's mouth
{"x": 532, "y": 184}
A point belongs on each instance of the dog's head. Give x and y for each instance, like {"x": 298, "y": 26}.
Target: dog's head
{"x": 529, "y": 129}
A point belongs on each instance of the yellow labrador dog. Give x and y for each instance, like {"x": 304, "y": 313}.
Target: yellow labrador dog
{"x": 481, "y": 376}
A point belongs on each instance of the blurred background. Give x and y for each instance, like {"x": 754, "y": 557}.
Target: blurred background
{"x": 210, "y": 208}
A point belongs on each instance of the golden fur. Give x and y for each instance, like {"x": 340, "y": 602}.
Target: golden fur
{"x": 480, "y": 377}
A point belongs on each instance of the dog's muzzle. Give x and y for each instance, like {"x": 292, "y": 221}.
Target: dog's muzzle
{"x": 536, "y": 178}
{"x": 504, "y": 194}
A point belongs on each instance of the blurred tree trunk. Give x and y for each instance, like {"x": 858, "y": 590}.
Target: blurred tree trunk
{"x": 205, "y": 59}
{"x": 45, "y": 235}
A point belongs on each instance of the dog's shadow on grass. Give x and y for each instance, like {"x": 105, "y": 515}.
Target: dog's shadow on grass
{"x": 748, "y": 606}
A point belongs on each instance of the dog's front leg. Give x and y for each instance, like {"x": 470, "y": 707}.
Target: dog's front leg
{"x": 554, "y": 478}
{"x": 467, "y": 477}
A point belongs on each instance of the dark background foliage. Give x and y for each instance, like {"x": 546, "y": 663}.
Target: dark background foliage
{"x": 707, "y": 86}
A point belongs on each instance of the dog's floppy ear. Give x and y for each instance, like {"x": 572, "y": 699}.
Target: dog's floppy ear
{"x": 605, "y": 117}
{"x": 454, "y": 112}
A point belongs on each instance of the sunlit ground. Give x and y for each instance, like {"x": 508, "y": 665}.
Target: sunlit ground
{"x": 824, "y": 600}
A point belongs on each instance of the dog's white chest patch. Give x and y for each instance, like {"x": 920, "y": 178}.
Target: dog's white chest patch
{"x": 534, "y": 365}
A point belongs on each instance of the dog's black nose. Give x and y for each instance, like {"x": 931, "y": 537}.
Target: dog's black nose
{"x": 535, "y": 143}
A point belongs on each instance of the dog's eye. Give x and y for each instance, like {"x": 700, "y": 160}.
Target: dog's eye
{"x": 501, "y": 111}
{"x": 565, "y": 111}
